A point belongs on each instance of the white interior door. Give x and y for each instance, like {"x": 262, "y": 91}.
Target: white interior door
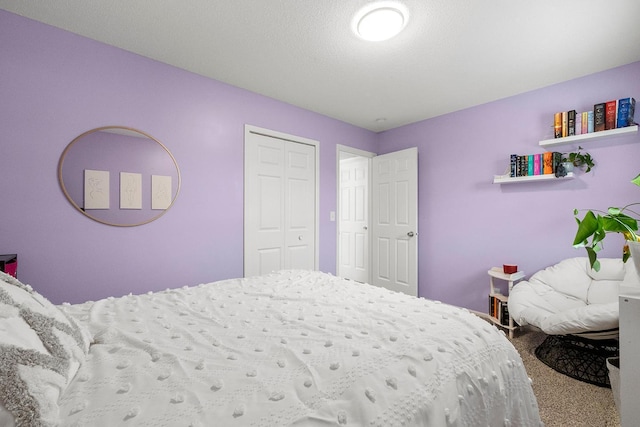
{"x": 395, "y": 221}
{"x": 353, "y": 219}
{"x": 280, "y": 203}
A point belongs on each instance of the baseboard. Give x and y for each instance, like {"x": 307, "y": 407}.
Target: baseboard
{"x": 485, "y": 316}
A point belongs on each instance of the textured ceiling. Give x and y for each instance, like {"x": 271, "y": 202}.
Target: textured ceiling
{"x": 453, "y": 54}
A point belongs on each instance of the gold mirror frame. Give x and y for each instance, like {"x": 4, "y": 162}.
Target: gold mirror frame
{"x": 122, "y": 130}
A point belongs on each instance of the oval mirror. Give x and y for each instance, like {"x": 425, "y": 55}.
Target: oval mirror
{"x": 119, "y": 176}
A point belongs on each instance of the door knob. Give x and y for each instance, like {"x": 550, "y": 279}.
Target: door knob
{"x": 365, "y": 228}
{"x": 411, "y": 234}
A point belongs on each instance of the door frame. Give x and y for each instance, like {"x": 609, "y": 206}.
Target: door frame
{"x": 361, "y": 153}
{"x": 249, "y": 129}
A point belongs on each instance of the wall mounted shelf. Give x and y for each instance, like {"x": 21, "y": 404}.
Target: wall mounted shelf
{"x": 593, "y": 136}
{"x": 519, "y": 179}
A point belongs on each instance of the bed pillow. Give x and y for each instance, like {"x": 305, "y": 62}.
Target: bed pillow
{"x": 41, "y": 350}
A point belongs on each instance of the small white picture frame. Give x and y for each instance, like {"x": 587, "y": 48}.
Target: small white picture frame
{"x": 160, "y": 192}
{"x": 96, "y": 189}
{"x": 130, "y": 190}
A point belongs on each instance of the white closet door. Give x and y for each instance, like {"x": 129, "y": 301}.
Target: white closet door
{"x": 264, "y": 205}
{"x": 395, "y": 221}
{"x": 279, "y": 204}
{"x": 299, "y": 196}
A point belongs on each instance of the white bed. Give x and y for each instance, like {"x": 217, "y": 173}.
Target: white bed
{"x": 290, "y": 348}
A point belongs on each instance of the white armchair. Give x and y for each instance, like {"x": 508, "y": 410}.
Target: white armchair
{"x": 570, "y": 298}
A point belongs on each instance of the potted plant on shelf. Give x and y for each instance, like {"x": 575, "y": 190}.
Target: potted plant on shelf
{"x": 595, "y": 226}
{"x": 577, "y": 159}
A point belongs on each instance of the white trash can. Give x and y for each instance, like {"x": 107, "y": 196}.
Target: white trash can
{"x": 613, "y": 366}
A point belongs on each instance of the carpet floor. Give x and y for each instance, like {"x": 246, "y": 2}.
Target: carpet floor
{"x": 564, "y": 401}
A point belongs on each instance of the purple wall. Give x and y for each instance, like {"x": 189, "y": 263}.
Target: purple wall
{"x": 467, "y": 224}
{"x": 55, "y": 85}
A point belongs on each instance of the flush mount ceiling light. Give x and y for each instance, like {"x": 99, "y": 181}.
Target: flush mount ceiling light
{"x": 380, "y": 21}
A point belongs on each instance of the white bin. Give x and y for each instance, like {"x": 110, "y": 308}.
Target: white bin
{"x": 613, "y": 366}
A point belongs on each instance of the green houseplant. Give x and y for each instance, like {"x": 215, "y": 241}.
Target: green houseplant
{"x": 579, "y": 159}
{"x": 595, "y": 225}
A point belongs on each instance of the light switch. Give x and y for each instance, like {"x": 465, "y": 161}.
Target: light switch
{"x": 332, "y": 216}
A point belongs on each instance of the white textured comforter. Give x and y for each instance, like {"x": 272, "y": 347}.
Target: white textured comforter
{"x": 293, "y": 348}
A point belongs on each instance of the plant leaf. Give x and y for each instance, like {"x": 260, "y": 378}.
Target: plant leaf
{"x": 619, "y": 223}
{"x": 593, "y": 260}
{"x": 626, "y": 253}
{"x": 613, "y": 211}
{"x": 586, "y": 228}
{"x": 636, "y": 180}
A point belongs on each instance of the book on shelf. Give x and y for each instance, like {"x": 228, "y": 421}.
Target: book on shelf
{"x": 585, "y": 122}
{"x": 492, "y": 305}
{"x": 537, "y": 164}
{"x": 499, "y": 308}
{"x": 523, "y": 167}
{"x": 610, "y": 108}
{"x": 626, "y": 110}
{"x": 547, "y": 163}
{"x": 556, "y": 159}
{"x": 534, "y": 164}
{"x": 557, "y": 125}
{"x": 504, "y": 313}
{"x": 598, "y": 117}
{"x": 571, "y": 122}
{"x": 604, "y": 116}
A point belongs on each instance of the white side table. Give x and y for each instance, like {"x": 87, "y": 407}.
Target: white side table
{"x": 498, "y": 273}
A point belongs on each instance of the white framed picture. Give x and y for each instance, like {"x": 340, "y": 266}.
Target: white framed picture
{"x": 130, "y": 190}
{"x": 96, "y": 189}
{"x": 160, "y": 192}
